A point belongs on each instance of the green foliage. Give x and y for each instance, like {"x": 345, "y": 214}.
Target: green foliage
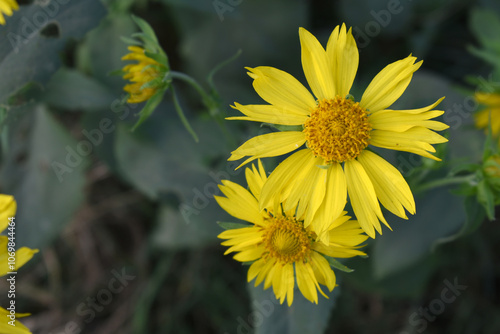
{"x": 48, "y": 183}
{"x": 28, "y": 54}
{"x": 302, "y": 317}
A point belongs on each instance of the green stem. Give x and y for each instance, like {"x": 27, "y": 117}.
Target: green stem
{"x": 145, "y": 303}
{"x": 182, "y": 116}
{"x": 446, "y": 181}
{"x": 186, "y": 78}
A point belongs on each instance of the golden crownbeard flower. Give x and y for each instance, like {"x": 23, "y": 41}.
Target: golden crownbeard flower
{"x": 145, "y": 76}
{"x": 277, "y": 241}
{"x": 7, "y": 7}
{"x": 337, "y": 131}
{"x": 8, "y": 208}
{"x": 492, "y": 103}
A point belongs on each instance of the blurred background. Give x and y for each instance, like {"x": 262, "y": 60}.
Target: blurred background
{"x": 126, "y": 222}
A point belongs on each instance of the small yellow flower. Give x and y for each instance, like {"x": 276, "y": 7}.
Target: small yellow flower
{"x": 8, "y": 209}
{"x": 6, "y": 7}
{"x": 492, "y": 103}
{"x": 280, "y": 243}
{"x": 145, "y": 71}
{"x": 337, "y": 131}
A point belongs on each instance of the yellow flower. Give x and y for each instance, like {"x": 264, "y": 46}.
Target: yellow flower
{"x": 276, "y": 241}
{"x": 8, "y": 208}
{"x": 492, "y": 103}
{"x": 337, "y": 131}
{"x": 145, "y": 71}
{"x": 6, "y": 7}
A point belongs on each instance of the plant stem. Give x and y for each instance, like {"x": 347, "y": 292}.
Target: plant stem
{"x": 444, "y": 182}
{"x": 186, "y": 78}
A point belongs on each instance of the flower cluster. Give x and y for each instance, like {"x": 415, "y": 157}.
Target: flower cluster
{"x": 297, "y": 213}
{"x": 6, "y": 8}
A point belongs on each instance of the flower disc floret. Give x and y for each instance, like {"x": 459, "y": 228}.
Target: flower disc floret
{"x": 337, "y": 130}
{"x": 286, "y": 240}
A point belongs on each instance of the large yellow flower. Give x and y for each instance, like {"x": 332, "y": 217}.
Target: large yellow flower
{"x": 145, "y": 71}
{"x": 8, "y": 208}
{"x": 277, "y": 240}
{"x": 6, "y": 8}
{"x": 492, "y": 103}
{"x": 337, "y": 131}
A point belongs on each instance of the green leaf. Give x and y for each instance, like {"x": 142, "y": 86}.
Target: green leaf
{"x": 300, "y": 318}
{"x": 484, "y": 24}
{"x": 129, "y": 40}
{"x": 71, "y": 90}
{"x": 486, "y": 197}
{"x": 28, "y": 53}
{"x": 148, "y": 109}
{"x": 475, "y": 217}
{"x": 337, "y": 264}
{"x": 161, "y": 160}
{"x": 48, "y": 183}
{"x": 231, "y": 226}
{"x": 411, "y": 239}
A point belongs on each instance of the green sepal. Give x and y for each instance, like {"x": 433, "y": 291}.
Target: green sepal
{"x": 248, "y": 263}
{"x": 159, "y": 57}
{"x": 486, "y": 197}
{"x": 323, "y": 166}
{"x": 337, "y": 265}
{"x": 128, "y": 40}
{"x": 155, "y": 83}
{"x": 145, "y": 27}
{"x": 148, "y": 109}
{"x": 232, "y": 226}
{"x": 120, "y": 73}
{"x": 282, "y": 127}
{"x": 464, "y": 167}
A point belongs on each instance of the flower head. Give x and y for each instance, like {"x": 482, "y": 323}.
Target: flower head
{"x": 280, "y": 243}
{"x": 482, "y": 118}
{"x": 337, "y": 132}
{"x": 146, "y": 76}
{"x": 8, "y": 208}
{"x": 6, "y": 8}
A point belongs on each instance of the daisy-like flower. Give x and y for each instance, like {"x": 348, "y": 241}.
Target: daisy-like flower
{"x": 278, "y": 241}
{"x": 492, "y": 103}
{"x": 6, "y": 8}
{"x": 8, "y": 208}
{"x": 145, "y": 76}
{"x": 337, "y": 131}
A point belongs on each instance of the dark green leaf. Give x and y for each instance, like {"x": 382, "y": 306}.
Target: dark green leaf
{"x": 26, "y": 54}
{"x": 48, "y": 182}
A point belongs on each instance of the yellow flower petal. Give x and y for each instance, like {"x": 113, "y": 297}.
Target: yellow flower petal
{"x": 415, "y": 140}
{"x": 19, "y": 328}
{"x": 389, "y": 84}
{"x": 333, "y": 203}
{"x": 402, "y": 120}
{"x": 268, "y": 145}
{"x": 268, "y": 114}
{"x": 249, "y": 254}
{"x": 8, "y": 207}
{"x": 343, "y": 54}
{"x": 489, "y": 99}
{"x": 363, "y": 198}
{"x": 390, "y": 186}
{"x": 281, "y": 90}
{"x": 291, "y": 169}
{"x": 322, "y": 271}
{"x": 316, "y": 66}
{"x": 239, "y": 202}
{"x": 306, "y": 281}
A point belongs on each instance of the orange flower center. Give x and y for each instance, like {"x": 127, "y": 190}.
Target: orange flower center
{"x": 337, "y": 130}
{"x": 286, "y": 240}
